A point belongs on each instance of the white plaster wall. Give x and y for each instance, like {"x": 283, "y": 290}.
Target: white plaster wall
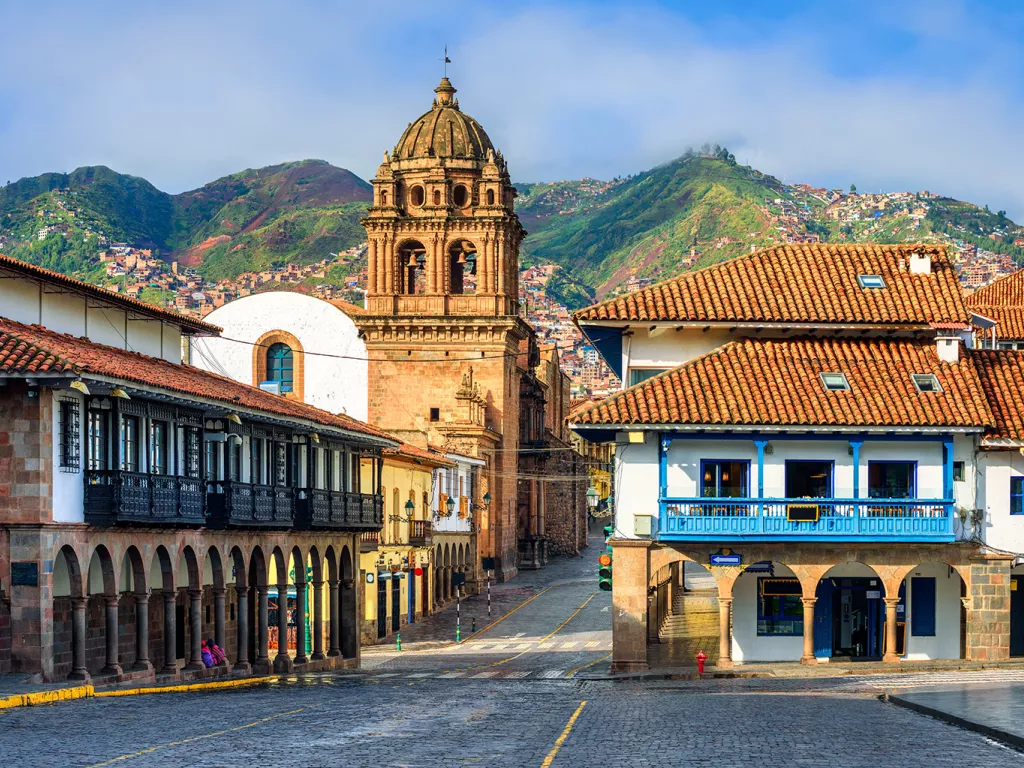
{"x": 746, "y": 645}
{"x": 68, "y": 487}
{"x": 453, "y": 523}
{"x": 685, "y": 456}
{"x": 19, "y": 300}
{"x": 1000, "y": 529}
{"x": 334, "y": 384}
{"x": 65, "y": 313}
{"x": 107, "y": 326}
{"x": 636, "y": 482}
{"x": 667, "y": 347}
{"x": 946, "y": 642}
{"x": 144, "y": 337}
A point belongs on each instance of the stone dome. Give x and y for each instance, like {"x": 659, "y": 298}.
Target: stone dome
{"x": 445, "y": 131}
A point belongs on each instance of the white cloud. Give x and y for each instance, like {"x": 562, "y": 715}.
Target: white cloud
{"x": 186, "y": 94}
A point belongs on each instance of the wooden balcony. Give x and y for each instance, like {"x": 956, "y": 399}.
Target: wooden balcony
{"x": 318, "y": 508}
{"x": 369, "y": 541}
{"x": 116, "y": 496}
{"x": 234, "y": 504}
{"x": 421, "y": 533}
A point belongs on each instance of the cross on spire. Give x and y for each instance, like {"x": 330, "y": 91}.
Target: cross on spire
{"x": 447, "y": 61}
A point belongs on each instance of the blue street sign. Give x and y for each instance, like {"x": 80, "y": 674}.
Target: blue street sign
{"x": 726, "y": 558}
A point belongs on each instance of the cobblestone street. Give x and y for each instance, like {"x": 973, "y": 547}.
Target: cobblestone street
{"x": 510, "y": 696}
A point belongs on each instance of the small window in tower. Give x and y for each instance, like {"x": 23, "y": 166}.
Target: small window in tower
{"x": 416, "y": 196}
{"x": 435, "y": 414}
{"x": 490, "y": 197}
{"x": 383, "y": 197}
{"x": 460, "y": 196}
{"x": 437, "y": 197}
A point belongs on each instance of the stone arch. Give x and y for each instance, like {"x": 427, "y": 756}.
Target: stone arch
{"x": 436, "y": 566}
{"x": 852, "y": 602}
{"x": 412, "y": 259}
{"x": 102, "y": 574}
{"x": 69, "y": 626}
{"x": 133, "y": 565}
{"x": 259, "y": 361}
{"x": 187, "y": 557}
{"x": 463, "y": 265}
{"x": 346, "y": 564}
{"x": 213, "y": 558}
{"x": 331, "y": 560}
{"x": 259, "y": 576}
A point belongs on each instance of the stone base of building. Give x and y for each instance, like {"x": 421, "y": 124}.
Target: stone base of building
{"x": 964, "y": 593}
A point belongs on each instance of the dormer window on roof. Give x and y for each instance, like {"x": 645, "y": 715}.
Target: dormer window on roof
{"x": 835, "y": 382}
{"x": 926, "y": 382}
{"x": 871, "y": 281}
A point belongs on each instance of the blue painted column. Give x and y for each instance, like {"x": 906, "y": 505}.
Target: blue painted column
{"x": 663, "y": 445}
{"x": 855, "y": 445}
{"x": 947, "y": 468}
{"x": 760, "y": 475}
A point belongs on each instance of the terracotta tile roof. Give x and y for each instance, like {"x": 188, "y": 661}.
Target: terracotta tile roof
{"x": 347, "y": 307}
{"x": 9, "y": 263}
{"x": 1002, "y": 377}
{"x": 411, "y": 451}
{"x": 777, "y": 382}
{"x": 33, "y": 349}
{"x": 1009, "y": 320}
{"x": 1007, "y": 291}
{"x": 801, "y": 283}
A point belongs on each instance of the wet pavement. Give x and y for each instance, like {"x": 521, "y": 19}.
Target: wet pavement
{"x": 995, "y": 709}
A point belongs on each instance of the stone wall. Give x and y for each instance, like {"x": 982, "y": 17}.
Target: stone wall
{"x": 566, "y": 506}
{"x": 988, "y": 614}
{"x": 5, "y": 633}
{"x": 26, "y": 454}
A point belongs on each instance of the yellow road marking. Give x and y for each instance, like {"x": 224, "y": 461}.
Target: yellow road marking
{"x": 528, "y": 650}
{"x": 588, "y": 664}
{"x": 565, "y": 734}
{"x": 189, "y": 687}
{"x": 150, "y": 750}
{"x": 570, "y": 618}
{"x": 521, "y": 605}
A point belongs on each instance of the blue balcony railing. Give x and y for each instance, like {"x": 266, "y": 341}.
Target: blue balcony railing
{"x": 763, "y": 519}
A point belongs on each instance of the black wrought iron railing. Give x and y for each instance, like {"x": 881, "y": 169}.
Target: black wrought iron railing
{"x": 117, "y": 496}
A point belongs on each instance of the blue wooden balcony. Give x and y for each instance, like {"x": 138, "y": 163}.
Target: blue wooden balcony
{"x": 764, "y": 519}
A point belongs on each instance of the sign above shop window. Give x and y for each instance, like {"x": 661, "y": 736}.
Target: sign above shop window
{"x": 726, "y": 557}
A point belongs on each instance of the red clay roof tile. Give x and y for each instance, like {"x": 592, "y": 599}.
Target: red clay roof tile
{"x": 33, "y": 349}
{"x": 1002, "y": 377}
{"x": 777, "y": 382}
{"x": 801, "y": 283}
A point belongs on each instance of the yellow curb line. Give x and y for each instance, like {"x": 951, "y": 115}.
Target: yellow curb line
{"x": 565, "y": 734}
{"x": 38, "y": 698}
{"x": 190, "y": 687}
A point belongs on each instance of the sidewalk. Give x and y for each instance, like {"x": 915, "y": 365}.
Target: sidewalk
{"x": 996, "y": 711}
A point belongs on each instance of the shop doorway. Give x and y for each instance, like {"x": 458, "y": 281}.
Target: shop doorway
{"x": 849, "y": 614}
{"x": 382, "y": 607}
{"x": 1017, "y": 615}
{"x": 396, "y": 604}
{"x": 412, "y": 596}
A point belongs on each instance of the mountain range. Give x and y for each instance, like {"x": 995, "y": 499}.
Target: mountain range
{"x": 696, "y": 210}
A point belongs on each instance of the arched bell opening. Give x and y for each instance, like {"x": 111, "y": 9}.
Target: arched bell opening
{"x": 412, "y": 263}
{"x": 462, "y": 256}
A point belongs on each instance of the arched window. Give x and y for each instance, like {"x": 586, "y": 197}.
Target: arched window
{"x": 490, "y": 197}
{"x": 383, "y": 197}
{"x": 279, "y": 365}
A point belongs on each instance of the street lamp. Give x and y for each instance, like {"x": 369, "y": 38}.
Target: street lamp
{"x": 487, "y": 499}
{"x": 592, "y": 498}
{"x": 409, "y": 507}
{"x": 450, "y": 505}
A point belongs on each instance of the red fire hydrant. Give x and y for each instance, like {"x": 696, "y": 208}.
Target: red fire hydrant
{"x": 701, "y": 658}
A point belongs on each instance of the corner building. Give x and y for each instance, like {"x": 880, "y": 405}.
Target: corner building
{"x": 812, "y": 462}
{"x": 442, "y": 326}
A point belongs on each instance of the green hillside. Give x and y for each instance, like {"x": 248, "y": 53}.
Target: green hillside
{"x": 293, "y": 212}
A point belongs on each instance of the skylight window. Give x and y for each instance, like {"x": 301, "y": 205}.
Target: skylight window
{"x": 871, "y": 281}
{"x": 926, "y": 382}
{"x": 835, "y": 382}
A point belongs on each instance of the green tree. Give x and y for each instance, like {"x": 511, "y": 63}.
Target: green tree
{"x": 853, "y": 189}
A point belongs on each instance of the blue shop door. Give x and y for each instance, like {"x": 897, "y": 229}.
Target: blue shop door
{"x": 823, "y": 619}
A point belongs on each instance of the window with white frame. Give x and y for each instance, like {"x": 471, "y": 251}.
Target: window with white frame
{"x": 926, "y": 382}
{"x": 835, "y": 382}
{"x": 871, "y": 281}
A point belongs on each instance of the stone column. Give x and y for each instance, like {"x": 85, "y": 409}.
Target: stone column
{"x": 78, "y": 623}
{"x": 334, "y": 607}
{"x": 282, "y": 662}
{"x": 112, "y": 667}
{"x": 389, "y": 266}
{"x": 262, "y": 631}
{"x": 725, "y": 632}
{"x": 890, "y": 656}
{"x": 349, "y": 600}
{"x": 629, "y": 605}
{"x": 371, "y": 266}
{"x": 988, "y": 614}
{"x": 142, "y": 632}
{"x": 808, "y": 657}
{"x": 242, "y": 630}
{"x": 219, "y": 633}
{"x": 300, "y": 623}
{"x": 195, "y": 622}
{"x": 318, "y": 621}
{"x": 170, "y": 634}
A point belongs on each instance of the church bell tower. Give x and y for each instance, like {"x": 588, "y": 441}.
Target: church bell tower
{"x": 442, "y": 234}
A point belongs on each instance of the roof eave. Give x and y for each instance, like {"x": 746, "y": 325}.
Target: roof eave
{"x": 778, "y": 428}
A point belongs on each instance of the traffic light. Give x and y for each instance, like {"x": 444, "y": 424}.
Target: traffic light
{"x": 604, "y": 573}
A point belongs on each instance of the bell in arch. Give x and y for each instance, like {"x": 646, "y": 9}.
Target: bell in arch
{"x": 462, "y": 258}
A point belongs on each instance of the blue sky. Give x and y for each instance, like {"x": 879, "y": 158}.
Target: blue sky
{"x": 888, "y": 95}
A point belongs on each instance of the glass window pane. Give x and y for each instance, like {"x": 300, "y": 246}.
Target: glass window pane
{"x": 808, "y": 479}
